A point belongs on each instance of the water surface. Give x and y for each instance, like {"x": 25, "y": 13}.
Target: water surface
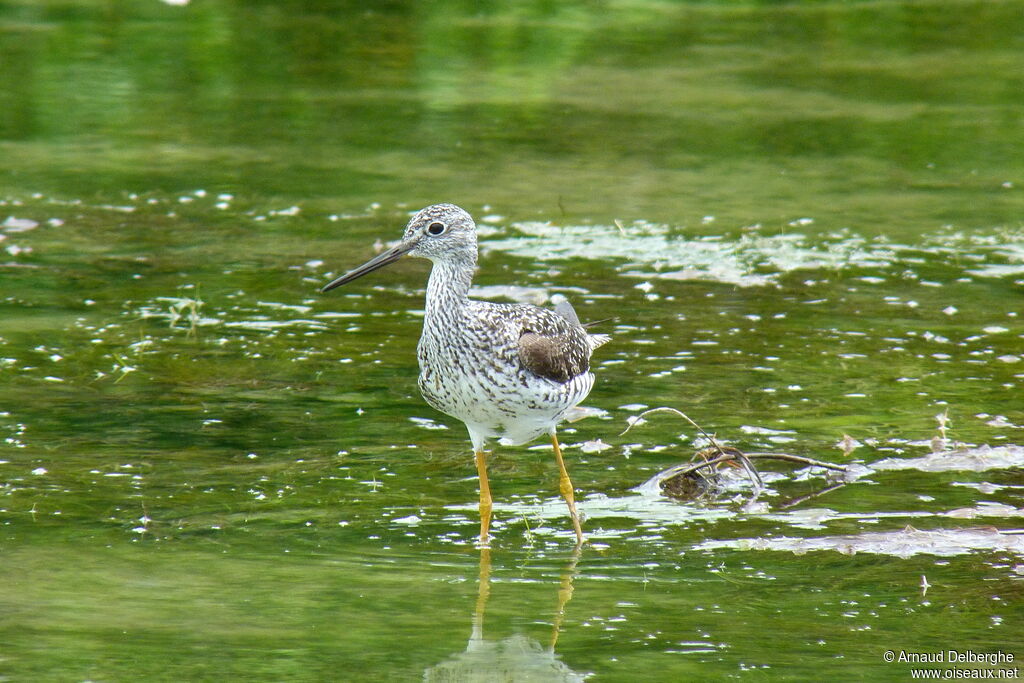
{"x": 802, "y": 220}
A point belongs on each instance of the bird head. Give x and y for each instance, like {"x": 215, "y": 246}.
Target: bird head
{"x": 440, "y": 232}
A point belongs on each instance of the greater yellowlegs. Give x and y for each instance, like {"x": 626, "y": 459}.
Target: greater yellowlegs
{"x": 510, "y": 371}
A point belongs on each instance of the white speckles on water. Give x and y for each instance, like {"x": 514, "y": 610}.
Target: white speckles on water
{"x": 427, "y": 423}
{"x": 410, "y": 520}
{"x": 14, "y": 224}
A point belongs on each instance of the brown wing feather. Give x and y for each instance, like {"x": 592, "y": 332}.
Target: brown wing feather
{"x": 558, "y": 357}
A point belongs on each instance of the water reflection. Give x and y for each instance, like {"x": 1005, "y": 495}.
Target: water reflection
{"x": 516, "y": 657}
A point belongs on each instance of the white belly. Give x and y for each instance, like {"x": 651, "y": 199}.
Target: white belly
{"x": 516, "y": 407}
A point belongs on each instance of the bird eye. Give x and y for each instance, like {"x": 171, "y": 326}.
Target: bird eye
{"x": 436, "y": 228}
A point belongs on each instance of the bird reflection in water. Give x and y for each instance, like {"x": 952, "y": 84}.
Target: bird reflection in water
{"x": 516, "y": 658}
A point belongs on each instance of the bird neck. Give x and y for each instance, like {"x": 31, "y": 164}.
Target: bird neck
{"x": 448, "y": 286}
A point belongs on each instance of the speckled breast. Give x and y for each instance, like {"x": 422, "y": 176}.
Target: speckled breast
{"x": 490, "y": 388}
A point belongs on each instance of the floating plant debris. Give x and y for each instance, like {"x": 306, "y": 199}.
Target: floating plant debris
{"x": 907, "y": 542}
{"x": 977, "y": 459}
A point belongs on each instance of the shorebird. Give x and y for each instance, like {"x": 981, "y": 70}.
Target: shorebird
{"x": 508, "y": 371}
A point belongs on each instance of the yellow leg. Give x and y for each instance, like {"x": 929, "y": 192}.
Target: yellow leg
{"x": 485, "y": 498}
{"x": 565, "y": 486}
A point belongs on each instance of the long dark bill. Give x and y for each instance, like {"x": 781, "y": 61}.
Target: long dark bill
{"x": 379, "y": 261}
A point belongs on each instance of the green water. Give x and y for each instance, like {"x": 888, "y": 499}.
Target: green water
{"x": 208, "y": 470}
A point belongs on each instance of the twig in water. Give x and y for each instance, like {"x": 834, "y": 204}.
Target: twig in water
{"x": 800, "y": 459}
{"x": 793, "y": 502}
{"x": 736, "y": 454}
